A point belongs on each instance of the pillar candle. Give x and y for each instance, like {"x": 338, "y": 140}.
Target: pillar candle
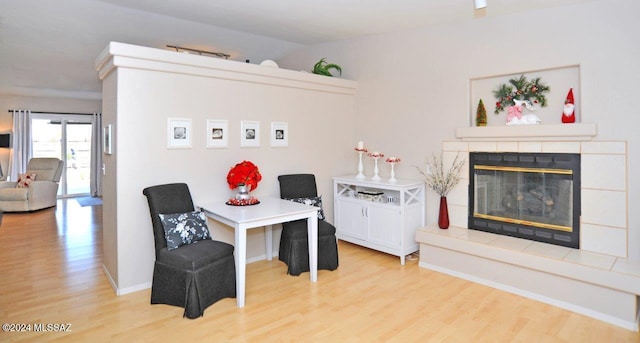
{"x": 360, "y": 145}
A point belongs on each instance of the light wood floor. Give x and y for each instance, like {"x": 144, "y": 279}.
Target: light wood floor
{"x": 51, "y": 273}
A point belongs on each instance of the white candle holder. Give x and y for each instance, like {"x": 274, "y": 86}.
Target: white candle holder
{"x": 375, "y": 169}
{"x": 360, "y": 167}
{"x": 392, "y": 161}
{"x": 375, "y": 156}
{"x": 392, "y": 178}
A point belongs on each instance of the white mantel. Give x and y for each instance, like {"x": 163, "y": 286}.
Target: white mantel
{"x": 542, "y": 132}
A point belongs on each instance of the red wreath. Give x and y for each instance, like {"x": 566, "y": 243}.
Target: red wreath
{"x": 244, "y": 172}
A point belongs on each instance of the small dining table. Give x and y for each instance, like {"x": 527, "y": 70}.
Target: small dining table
{"x": 269, "y": 211}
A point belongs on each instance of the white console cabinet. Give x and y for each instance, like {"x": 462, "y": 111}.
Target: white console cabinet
{"x": 380, "y": 215}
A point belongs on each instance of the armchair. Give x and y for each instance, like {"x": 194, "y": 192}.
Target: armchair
{"x": 41, "y": 193}
{"x": 294, "y": 246}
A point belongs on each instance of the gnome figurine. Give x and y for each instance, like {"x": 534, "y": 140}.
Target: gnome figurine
{"x": 569, "y": 112}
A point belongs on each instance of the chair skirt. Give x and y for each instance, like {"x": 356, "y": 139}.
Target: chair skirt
{"x": 294, "y": 247}
{"x": 194, "y": 290}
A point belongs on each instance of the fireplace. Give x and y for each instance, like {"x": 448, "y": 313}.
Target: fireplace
{"x": 534, "y": 196}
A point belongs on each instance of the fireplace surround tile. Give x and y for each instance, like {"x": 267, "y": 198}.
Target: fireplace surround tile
{"x": 530, "y": 147}
{"x": 600, "y": 147}
{"x": 561, "y": 147}
{"x": 483, "y": 146}
{"x": 604, "y": 207}
{"x": 603, "y": 239}
{"x": 627, "y": 267}
{"x": 555, "y": 252}
{"x": 604, "y": 171}
{"x": 511, "y": 243}
{"x": 458, "y": 215}
{"x": 590, "y": 259}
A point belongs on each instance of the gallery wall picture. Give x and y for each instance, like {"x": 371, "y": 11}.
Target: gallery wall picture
{"x": 217, "y": 133}
{"x": 249, "y": 133}
{"x": 279, "y": 134}
{"x": 106, "y": 139}
{"x": 179, "y": 133}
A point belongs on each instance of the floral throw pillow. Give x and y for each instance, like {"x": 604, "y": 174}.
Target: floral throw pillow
{"x": 313, "y": 201}
{"x": 25, "y": 180}
{"x": 184, "y": 228}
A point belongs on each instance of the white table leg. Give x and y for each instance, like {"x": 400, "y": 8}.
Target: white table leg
{"x": 312, "y": 227}
{"x": 241, "y": 263}
{"x": 268, "y": 238}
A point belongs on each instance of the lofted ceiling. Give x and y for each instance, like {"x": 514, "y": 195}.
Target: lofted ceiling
{"x": 48, "y": 48}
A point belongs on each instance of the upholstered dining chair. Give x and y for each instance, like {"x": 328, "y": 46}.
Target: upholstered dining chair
{"x": 191, "y": 271}
{"x": 294, "y": 246}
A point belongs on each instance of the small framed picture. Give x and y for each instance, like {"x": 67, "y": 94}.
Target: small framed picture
{"x": 279, "y": 134}
{"x": 249, "y": 133}
{"x": 217, "y": 133}
{"x": 106, "y": 139}
{"x": 178, "y": 133}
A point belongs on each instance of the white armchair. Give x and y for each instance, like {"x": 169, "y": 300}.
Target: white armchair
{"x": 41, "y": 193}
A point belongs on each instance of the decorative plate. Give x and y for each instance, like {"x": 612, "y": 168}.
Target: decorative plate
{"x": 247, "y": 202}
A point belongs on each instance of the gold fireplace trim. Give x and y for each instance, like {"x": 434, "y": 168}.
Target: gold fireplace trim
{"x": 524, "y": 222}
{"x": 524, "y": 170}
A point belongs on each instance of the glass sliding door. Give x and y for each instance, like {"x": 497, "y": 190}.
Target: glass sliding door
{"x": 67, "y": 137}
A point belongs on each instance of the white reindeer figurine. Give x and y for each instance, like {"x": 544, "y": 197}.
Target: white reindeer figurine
{"x": 515, "y": 116}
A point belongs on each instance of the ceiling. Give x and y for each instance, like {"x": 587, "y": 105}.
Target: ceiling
{"x": 48, "y": 48}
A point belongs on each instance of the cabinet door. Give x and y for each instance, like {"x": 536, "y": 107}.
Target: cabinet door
{"x": 385, "y": 226}
{"x": 351, "y": 219}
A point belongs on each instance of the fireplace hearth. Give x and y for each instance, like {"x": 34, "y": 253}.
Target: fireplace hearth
{"x": 534, "y": 196}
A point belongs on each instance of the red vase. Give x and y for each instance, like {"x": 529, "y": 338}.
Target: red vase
{"x": 443, "y": 215}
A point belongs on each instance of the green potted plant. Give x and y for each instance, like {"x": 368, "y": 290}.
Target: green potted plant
{"x": 323, "y": 68}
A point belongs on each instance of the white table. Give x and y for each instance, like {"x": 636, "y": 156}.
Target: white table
{"x": 268, "y": 212}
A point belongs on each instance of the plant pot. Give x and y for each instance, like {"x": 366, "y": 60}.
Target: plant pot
{"x": 443, "y": 214}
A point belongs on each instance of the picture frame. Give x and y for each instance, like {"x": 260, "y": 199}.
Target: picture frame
{"x": 217, "y": 133}
{"x": 249, "y": 133}
{"x": 106, "y": 140}
{"x": 279, "y": 134}
{"x": 179, "y": 133}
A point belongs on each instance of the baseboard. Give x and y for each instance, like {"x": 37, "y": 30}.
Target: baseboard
{"x": 127, "y": 290}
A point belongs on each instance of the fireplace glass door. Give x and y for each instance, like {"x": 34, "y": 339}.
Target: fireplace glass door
{"x": 533, "y": 196}
{"x": 530, "y": 196}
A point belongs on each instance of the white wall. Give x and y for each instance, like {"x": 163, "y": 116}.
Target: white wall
{"x": 413, "y": 86}
{"x": 151, "y": 85}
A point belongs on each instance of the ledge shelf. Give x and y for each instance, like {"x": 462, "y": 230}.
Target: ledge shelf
{"x": 552, "y": 132}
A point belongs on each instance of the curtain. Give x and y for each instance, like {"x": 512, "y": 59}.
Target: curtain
{"x": 96, "y": 156}
{"x": 21, "y": 150}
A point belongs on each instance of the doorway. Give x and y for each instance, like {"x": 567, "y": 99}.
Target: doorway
{"x": 67, "y": 137}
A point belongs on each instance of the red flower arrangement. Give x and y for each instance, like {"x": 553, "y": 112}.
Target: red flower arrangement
{"x": 244, "y": 172}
